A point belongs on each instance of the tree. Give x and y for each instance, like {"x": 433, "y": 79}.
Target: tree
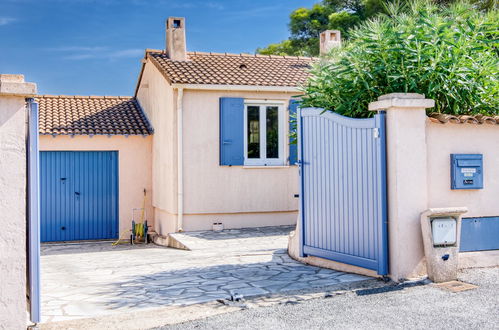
{"x": 448, "y": 54}
{"x": 306, "y": 24}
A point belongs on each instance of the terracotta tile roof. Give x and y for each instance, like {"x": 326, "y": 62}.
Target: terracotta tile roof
{"x": 91, "y": 115}
{"x": 233, "y": 69}
{"x": 463, "y": 119}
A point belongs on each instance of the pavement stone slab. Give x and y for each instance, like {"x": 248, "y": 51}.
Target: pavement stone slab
{"x": 89, "y": 279}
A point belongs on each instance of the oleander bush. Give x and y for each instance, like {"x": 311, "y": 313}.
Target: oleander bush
{"x": 449, "y": 54}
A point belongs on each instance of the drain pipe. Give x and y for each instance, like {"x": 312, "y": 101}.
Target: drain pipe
{"x": 180, "y": 160}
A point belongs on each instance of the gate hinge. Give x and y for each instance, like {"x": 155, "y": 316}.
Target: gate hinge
{"x": 376, "y": 132}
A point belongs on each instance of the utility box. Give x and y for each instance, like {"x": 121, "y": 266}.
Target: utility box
{"x": 444, "y": 231}
{"x": 441, "y": 229}
{"x": 466, "y": 171}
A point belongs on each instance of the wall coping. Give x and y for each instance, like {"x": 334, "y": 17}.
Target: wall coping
{"x": 14, "y": 85}
{"x": 446, "y": 211}
{"x": 401, "y": 101}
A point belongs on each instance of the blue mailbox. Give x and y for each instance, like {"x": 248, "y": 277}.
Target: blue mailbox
{"x": 466, "y": 171}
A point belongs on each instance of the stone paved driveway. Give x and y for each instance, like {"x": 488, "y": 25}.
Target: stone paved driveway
{"x": 91, "y": 279}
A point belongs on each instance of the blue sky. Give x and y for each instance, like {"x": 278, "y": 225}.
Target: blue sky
{"x": 91, "y": 47}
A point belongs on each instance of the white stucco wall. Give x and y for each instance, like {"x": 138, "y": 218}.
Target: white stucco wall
{"x": 418, "y": 165}
{"x": 234, "y": 195}
{"x": 13, "y": 213}
{"x": 158, "y": 99}
{"x": 134, "y": 153}
{"x": 443, "y": 140}
{"x": 13, "y": 200}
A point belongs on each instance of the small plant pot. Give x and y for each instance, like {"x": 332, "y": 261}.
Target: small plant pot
{"x": 218, "y": 226}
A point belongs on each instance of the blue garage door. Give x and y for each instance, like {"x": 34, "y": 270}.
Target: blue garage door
{"x": 78, "y": 195}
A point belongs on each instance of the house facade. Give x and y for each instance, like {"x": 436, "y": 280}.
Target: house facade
{"x": 205, "y": 139}
{"x": 221, "y": 148}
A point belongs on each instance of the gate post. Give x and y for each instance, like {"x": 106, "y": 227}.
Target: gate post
{"x": 13, "y": 162}
{"x": 406, "y": 179}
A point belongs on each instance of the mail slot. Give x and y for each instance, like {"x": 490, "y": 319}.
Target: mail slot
{"x": 466, "y": 171}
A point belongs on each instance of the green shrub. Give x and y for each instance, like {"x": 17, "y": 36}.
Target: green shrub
{"x": 448, "y": 54}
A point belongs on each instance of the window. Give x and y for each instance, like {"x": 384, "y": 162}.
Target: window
{"x": 263, "y": 133}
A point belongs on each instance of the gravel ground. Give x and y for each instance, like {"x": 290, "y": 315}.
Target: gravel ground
{"x": 418, "y": 307}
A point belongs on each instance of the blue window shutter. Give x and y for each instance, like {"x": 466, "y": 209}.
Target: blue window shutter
{"x": 293, "y": 147}
{"x": 231, "y": 131}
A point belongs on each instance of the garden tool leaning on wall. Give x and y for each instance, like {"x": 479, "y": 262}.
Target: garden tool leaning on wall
{"x": 139, "y": 230}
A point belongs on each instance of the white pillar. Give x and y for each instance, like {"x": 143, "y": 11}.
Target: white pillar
{"x": 407, "y": 179}
{"x": 13, "y": 91}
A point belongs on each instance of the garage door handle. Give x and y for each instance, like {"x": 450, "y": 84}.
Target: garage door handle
{"x": 77, "y": 193}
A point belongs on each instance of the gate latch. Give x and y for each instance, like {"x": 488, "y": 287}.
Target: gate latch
{"x": 376, "y": 132}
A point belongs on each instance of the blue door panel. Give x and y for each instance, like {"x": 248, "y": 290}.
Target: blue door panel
{"x": 79, "y": 195}
{"x": 479, "y": 234}
{"x": 343, "y": 188}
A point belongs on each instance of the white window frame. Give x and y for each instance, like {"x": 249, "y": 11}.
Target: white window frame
{"x": 263, "y": 160}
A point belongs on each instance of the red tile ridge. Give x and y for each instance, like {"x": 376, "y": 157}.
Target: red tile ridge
{"x": 122, "y": 97}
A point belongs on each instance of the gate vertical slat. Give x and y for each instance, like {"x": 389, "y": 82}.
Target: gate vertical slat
{"x": 343, "y": 197}
{"x": 329, "y": 183}
{"x": 342, "y": 201}
{"x": 355, "y": 196}
{"x": 325, "y": 183}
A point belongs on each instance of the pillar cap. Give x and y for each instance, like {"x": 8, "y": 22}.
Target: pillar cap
{"x": 445, "y": 211}
{"x": 14, "y": 85}
{"x": 401, "y": 101}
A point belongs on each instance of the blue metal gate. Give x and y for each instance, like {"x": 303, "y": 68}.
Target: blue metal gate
{"x": 79, "y": 195}
{"x": 33, "y": 213}
{"x": 343, "y": 188}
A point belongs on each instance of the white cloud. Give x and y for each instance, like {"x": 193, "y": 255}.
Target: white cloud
{"x": 6, "y": 20}
{"x": 133, "y": 52}
{"x": 77, "y": 49}
{"x": 85, "y": 52}
{"x": 197, "y": 4}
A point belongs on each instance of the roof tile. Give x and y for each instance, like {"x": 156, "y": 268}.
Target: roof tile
{"x": 442, "y": 118}
{"x": 83, "y": 115}
{"x": 228, "y": 69}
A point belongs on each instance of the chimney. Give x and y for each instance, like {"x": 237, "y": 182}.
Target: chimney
{"x": 328, "y": 40}
{"x": 175, "y": 39}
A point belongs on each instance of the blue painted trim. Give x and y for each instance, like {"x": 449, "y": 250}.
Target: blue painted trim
{"x": 340, "y": 257}
{"x": 33, "y": 213}
{"x": 301, "y": 208}
{"x": 383, "y": 256}
{"x": 342, "y": 120}
{"x": 479, "y": 234}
